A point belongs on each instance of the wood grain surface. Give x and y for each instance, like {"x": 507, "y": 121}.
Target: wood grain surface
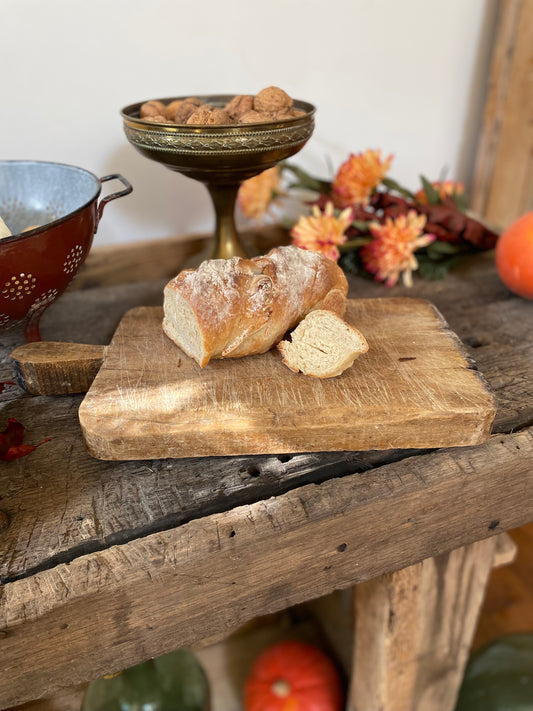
{"x": 414, "y": 388}
{"x": 122, "y": 605}
{"x": 413, "y": 631}
{"x": 503, "y": 180}
{"x": 54, "y": 368}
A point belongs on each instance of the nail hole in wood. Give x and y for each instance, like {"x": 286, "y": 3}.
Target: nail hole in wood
{"x": 254, "y": 471}
{"x": 342, "y": 547}
{"x": 475, "y": 342}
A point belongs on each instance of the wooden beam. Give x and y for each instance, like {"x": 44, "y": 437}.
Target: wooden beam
{"x": 503, "y": 177}
{"x": 333, "y": 613}
{"x": 109, "y": 610}
{"x": 413, "y": 631}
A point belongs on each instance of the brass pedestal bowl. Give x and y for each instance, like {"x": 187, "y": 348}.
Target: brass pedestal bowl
{"x": 220, "y": 157}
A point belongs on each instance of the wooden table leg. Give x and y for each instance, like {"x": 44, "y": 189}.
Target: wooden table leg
{"x": 413, "y": 631}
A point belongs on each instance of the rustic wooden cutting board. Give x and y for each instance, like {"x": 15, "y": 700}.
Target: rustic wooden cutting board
{"x": 415, "y": 388}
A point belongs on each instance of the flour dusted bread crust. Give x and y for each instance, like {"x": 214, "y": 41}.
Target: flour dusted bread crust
{"x": 322, "y": 345}
{"x": 228, "y": 308}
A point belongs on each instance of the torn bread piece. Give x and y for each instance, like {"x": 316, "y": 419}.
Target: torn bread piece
{"x": 4, "y": 229}
{"x": 323, "y": 345}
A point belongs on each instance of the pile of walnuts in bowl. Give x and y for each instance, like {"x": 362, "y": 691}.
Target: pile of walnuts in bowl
{"x": 270, "y": 104}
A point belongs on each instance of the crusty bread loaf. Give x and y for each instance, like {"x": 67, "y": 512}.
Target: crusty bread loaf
{"x": 228, "y": 308}
{"x": 322, "y": 345}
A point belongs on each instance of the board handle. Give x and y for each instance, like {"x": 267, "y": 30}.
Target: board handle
{"x": 55, "y": 368}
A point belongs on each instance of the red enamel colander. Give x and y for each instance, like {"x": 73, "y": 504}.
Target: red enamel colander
{"x": 53, "y": 212}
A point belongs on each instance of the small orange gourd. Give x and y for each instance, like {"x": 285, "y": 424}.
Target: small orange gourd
{"x": 293, "y": 676}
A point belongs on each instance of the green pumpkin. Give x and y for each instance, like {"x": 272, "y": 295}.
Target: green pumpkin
{"x": 499, "y": 677}
{"x": 172, "y": 682}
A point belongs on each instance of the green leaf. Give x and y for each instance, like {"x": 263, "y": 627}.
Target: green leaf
{"x": 351, "y": 262}
{"x": 431, "y": 194}
{"x": 354, "y": 244}
{"x": 437, "y": 249}
{"x": 393, "y": 185}
{"x": 461, "y": 201}
{"x": 306, "y": 181}
{"x": 431, "y": 269}
{"x": 287, "y": 223}
{"x": 361, "y": 225}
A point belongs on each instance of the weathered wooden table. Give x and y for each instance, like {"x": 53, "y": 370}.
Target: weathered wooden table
{"x": 106, "y": 564}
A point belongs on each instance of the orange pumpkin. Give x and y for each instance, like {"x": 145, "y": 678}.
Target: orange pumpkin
{"x": 514, "y": 256}
{"x": 293, "y": 676}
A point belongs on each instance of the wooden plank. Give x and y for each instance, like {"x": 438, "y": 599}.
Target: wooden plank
{"x": 228, "y": 663}
{"x": 502, "y": 188}
{"x": 62, "y": 503}
{"x": 117, "y": 607}
{"x": 65, "y": 700}
{"x": 414, "y": 388}
{"x": 413, "y": 631}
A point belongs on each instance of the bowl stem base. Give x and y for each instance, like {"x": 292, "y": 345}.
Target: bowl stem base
{"x": 226, "y": 242}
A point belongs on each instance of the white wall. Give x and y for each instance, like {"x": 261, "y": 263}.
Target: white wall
{"x": 406, "y": 76}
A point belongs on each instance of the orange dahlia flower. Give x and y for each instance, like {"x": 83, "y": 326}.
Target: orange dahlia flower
{"x": 256, "y": 195}
{"x": 358, "y": 177}
{"x": 391, "y": 252}
{"x": 444, "y": 188}
{"x": 322, "y": 231}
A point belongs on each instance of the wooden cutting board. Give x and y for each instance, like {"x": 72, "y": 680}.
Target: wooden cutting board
{"x": 415, "y": 388}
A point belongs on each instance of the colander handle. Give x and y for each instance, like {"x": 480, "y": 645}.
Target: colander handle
{"x": 103, "y": 202}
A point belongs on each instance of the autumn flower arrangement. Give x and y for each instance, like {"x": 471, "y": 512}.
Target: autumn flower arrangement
{"x": 369, "y": 223}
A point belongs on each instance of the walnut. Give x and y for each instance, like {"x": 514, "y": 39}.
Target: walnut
{"x": 157, "y": 119}
{"x": 282, "y": 114}
{"x": 152, "y": 108}
{"x": 194, "y": 100}
{"x": 184, "y": 110}
{"x": 272, "y": 99}
{"x": 270, "y": 104}
{"x": 255, "y": 117}
{"x": 170, "y": 109}
{"x": 239, "y": 105}
{"x": 209, "y": 115}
